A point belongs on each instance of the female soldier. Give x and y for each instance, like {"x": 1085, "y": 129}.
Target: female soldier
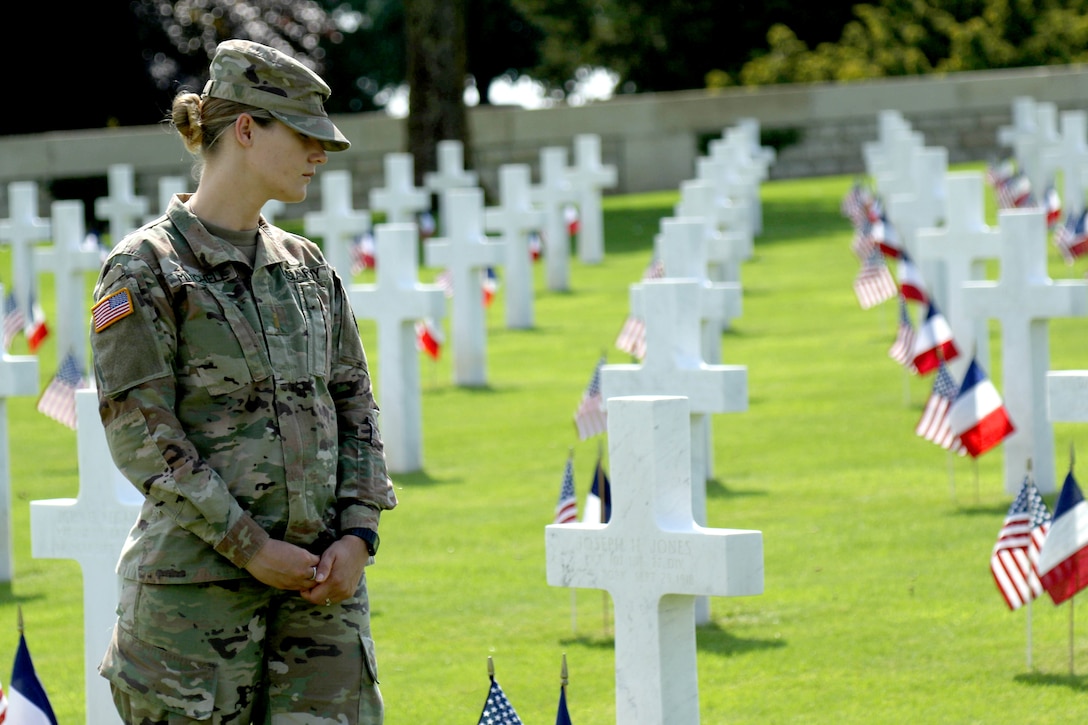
{"x": 235, "y": 394}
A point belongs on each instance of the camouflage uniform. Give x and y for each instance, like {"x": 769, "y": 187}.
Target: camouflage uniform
{"x": 238, "y": 401}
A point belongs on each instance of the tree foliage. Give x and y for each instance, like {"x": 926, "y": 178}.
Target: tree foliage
{"x": 911, "y": 37}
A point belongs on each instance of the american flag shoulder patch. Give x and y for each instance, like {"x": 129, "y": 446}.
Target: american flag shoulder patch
{"x": 110, "y": 309}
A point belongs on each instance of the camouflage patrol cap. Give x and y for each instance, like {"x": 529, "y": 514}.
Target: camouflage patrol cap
{"x": 260, "y": 76}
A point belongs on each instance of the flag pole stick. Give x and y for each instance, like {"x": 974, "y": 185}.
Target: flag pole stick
{"x": 1028, "y": 620}
{"x": 573, "y": 590}
{"x": 1073, "y": 599}
{"x": 951, "y": 475}
{"x": 601, "y": 518}
{"x": 976, "y": 482}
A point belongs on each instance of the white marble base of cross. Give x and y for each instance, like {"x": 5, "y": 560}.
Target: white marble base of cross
{"x": 400, "y": 199}
{"x": 21, "y": 231}
{"x": 589, "y": 176}
{"x": 18, "y": 377}
{"x": 514, "y": 220}
{"x": 674, "y": 365}
{"x": 955, "y": 253}
{"x": 69, "y": 260}
{"x": 1023, "y": 300}
{"x": 121, "y": 208}
{"x": 552, "y": 195}
{"x": 466, "y": 251}
{"x": 396, "y": 300}
{"x": 653, "y": 559}
{"x": 91, "y": 529}
{"x": 338, "y": 223}
{"x": 450, "y": 174}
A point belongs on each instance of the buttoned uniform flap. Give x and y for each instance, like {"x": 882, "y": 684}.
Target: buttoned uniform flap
{"x": 180, "y": 685}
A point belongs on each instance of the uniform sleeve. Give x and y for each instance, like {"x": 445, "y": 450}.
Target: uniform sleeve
{"x": 364, "y": 487}
{"x": 132, "y": 338}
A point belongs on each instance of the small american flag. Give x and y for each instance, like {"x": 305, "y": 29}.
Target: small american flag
{"x": 902, "y": 350}
{"x": 590, "y": 418}
{"x": 632, "y": 337}
{"x": 444, "y": 280}
{"x": 566, "y": 510}
{"x": 14, "y": 320}
{"x": 874, "y": 283}
{"x": 498, "y": 710}
{"x": 855, "y": 205}
{"x": 933, "y": 425}
{"x": 58, "y": 400}
{"x": 1071, "y": 238}
{"x": 1015, "y": 192}
{"x": 1015, "y": 556}
{"x": 111, "y": 309}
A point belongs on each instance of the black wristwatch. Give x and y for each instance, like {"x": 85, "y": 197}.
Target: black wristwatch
{"x": 370, "y": 537}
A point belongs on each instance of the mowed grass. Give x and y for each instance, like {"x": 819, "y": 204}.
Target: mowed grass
{"x": 878, "y": 606}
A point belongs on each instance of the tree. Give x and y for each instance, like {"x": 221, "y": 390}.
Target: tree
{"x": 437, "y": 65}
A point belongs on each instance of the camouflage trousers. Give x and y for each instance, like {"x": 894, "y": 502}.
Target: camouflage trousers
{"x": 240, "y": 653}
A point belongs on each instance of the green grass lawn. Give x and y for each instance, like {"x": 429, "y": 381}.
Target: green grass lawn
{"x": 878, "y": 606}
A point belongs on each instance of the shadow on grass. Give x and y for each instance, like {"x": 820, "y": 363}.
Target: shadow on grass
{"x": 708, "y": 638}
{"x": 1076, "y": 683}
{"x": 711, "y": 637}
{"x": 716, "y": 489}
{"x": 9, "y": 597}
{"x": 420, "y": 478}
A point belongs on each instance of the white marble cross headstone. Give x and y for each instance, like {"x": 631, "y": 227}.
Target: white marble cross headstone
{"x": 514, "y": 220}
{"x": 18, "y": 376}
{"x": 21, "y": 230}
{"x": 1023, "y": 300}
{"x": 674, "y": 366}
{"x": 121, "y": 208}
{"x": 272, "y": 209}
{"x": 747, "y": 175}
{"x": 1073, "y": 158}
{"x": 922, "y": 203}
{"x": 69, "y": 260}
{"x": 683, "y": 246}
{"x": 338, "y": 223}
{"x": 396, "y": 300}
{"x": 92, "y": 530}
{"x": 400, "y": 199}
{"x": 1019, "y": 134}
{"x": 169, "y": 187}
{"x": 589, "y": 176}
{"x": 654, "y": 559}
{"x": 890, "y": 123}
{"x": 728, "y": 243}
{"x": 552, "y": 195}
{"x": 466, "y": 251}
{"x": 730, "y": 202}
{"x": 1067, "y": 396}
{"x": 682, "y": 249}
{"x": 451, "y": 174}
{"x": 955, "y": 253}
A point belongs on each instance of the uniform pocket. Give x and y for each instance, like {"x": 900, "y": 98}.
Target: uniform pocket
{"x": 370, "y": 662}
{"x": 218, "y": 350}
{"x": 148, "y": 673}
